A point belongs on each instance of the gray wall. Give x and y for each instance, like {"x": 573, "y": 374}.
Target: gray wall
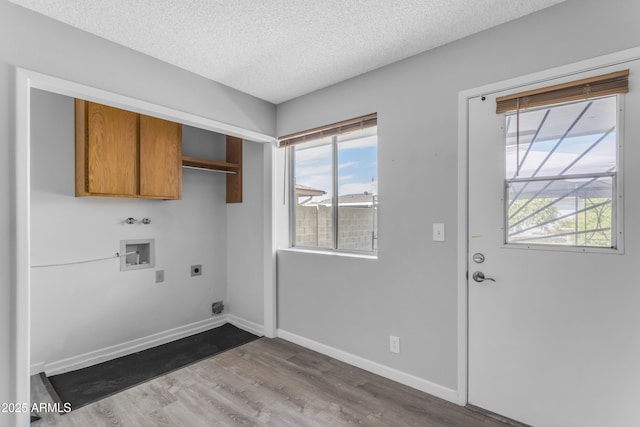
{"x": 411, "y": 289}
{"x": 34, "y": 42}
{"x": 245, "y": 242}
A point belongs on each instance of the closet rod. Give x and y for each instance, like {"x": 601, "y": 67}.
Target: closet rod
{"x": 210, "y": 170}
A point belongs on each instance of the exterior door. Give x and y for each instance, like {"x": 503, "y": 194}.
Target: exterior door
{"x": 553, "y": 339}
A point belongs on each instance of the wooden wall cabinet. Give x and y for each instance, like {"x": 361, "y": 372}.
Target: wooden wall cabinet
{"x": 124, "y": 154}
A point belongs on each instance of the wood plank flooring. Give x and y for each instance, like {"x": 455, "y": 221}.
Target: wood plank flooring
{"x": 268, "y": 382}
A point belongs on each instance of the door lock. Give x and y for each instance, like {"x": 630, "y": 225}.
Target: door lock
{"x": 478, "y": 258}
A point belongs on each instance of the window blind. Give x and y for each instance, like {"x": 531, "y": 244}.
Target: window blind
{"x": 345, "y": 126}
{"x": 606, "y": 84}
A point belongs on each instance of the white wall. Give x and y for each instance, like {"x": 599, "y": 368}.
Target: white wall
{"x": 410, "y": 291}
{"x": 34, "y": 42}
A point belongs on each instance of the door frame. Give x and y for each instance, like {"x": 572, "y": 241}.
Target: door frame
{"x": 541, "y": 78}
{"x": 25, "y": 80}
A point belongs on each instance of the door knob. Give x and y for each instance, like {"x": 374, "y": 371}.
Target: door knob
{"x": 478, "y": 276}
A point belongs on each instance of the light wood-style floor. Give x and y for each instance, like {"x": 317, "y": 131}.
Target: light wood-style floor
{"x": 268, "y": 382}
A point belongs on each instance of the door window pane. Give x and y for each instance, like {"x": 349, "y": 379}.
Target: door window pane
{"x": 562, "y": 212}
{"x": 561, "y": 174}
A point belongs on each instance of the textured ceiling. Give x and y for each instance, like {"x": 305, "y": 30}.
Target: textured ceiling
{"x": 280, "y": 49}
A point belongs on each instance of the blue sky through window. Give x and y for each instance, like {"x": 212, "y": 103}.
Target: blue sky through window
{"x": 357, "y": 165}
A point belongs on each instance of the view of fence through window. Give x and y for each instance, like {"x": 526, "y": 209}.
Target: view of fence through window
{"x": 561, "y": 174}
{"x": 336, "y": 192}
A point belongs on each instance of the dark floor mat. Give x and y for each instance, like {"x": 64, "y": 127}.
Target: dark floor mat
{"x": 96, "y": 382}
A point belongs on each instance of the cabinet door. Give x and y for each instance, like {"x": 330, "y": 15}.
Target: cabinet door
{"x": 160, "y": 158}
{"x": 112, "y": 151}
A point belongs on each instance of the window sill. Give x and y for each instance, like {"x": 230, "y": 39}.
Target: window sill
{"x": 330, "y": 253}
{"x": 561, "y": 248}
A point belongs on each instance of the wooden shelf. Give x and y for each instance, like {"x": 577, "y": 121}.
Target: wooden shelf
{"x": 196, "y": 162}
{"x": 233, "y": 167}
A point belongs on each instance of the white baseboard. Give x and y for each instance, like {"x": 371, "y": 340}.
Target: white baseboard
{"x": 382, "y": 370}
{"x": 246, "y": 325}
{"x": 108, "y": 353}
{"x": 129, "y": 347}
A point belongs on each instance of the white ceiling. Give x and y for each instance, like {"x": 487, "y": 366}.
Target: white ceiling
{"x": 280, "y": 49}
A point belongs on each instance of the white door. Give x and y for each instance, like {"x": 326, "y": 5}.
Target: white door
{"x": 555, "y": 339}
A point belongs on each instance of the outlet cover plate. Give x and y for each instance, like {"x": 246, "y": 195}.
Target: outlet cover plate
{"x": 159, "y": 276}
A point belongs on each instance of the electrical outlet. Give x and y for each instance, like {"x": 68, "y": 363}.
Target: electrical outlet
{"x": 159, "y": 276}
{"x": 196, "y": 270}
{"x": 394, "y": 344}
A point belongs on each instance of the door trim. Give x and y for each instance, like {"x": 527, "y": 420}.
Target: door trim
{"x": 463, "y": 180}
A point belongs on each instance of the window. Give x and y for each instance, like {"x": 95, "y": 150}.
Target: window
{"x": 562, "y": 171}
{"x": 334, "y": 183}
